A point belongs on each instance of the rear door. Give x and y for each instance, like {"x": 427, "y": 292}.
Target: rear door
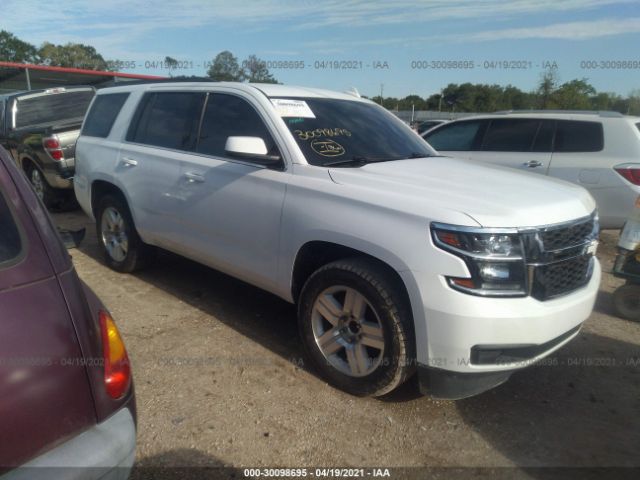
{"x": 579, "y": 156}
{"x": 163, "y": 130}
{"x": 522, "y": 143}
{"x": 45, "y": 395}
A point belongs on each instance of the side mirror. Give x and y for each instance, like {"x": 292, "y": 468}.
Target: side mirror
{"x": 251, "y": 148}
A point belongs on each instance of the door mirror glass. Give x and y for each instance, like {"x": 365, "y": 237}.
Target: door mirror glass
{"x": 251, "y": 148}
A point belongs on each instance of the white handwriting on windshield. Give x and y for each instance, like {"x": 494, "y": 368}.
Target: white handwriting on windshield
{"x": 322, "y": 132}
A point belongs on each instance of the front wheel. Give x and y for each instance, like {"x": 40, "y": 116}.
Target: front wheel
{"x": 122, "y": 247}
{"x": 357, "y": 328}
{"x": 626, "y": 302}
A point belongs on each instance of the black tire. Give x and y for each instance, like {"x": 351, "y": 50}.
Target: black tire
{"x": 51, "y": 198}
{"x": 138, "y": 254}
{"x": 626, "y": 302}
{"x": 385, "y": 302}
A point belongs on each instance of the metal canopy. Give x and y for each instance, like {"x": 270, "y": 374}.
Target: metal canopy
{"x": 22, "y": 76}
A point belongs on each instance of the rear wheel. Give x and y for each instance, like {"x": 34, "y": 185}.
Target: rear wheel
{"x": 50, "y": 197}
{"x": 626, "y": 302}
{"x": 356, "y": 327}
{"x": 122, "y": 247}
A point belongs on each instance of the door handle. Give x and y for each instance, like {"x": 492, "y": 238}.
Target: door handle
{"x": 129, "y": 162}
{"x": 532, "y": 164}
{"x": 194, "y": 177}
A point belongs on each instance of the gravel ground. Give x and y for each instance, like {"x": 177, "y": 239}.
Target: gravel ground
{"x": 220, "y": 381}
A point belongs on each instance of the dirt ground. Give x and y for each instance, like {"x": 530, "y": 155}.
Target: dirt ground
{"x": 220, "y": 381}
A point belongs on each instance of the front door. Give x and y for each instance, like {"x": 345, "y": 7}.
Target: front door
{"x": 232, "y": 208}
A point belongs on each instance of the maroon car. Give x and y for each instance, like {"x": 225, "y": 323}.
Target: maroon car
{"x": 66, "y": 391}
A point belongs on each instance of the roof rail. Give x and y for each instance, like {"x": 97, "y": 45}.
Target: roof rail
{"x": 601, "y": 113}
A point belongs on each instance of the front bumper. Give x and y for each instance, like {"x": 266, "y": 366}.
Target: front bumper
{"x": 450, "y": 326}
{"x": 105, "y": 452}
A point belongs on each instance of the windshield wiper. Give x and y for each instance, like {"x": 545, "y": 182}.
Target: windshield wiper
{"x": 356, "y": 161}
{"x": 418, "y": 155}
{"x": 359, "y": 161}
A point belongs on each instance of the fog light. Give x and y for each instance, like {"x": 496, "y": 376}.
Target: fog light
{"x": 494, "y": 271}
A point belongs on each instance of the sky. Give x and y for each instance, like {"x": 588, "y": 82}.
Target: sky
{"x": 394, "y": 47}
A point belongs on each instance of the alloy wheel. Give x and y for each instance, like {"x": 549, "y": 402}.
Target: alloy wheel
{"x": 114, "y": 235}
{"x": 348, "y": 331}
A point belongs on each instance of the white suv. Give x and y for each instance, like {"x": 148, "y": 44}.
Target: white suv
{"x": 398, "y": 261}
{"x": 597, "y": 150}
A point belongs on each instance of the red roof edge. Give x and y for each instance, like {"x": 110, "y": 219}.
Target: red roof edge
{"x": 98, "y": 73}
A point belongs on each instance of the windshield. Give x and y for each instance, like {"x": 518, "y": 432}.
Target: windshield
{"x": 52, "y": 109}
{"x": 347, "y": 132}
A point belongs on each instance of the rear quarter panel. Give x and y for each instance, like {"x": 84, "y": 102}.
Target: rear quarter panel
{"x": 45, "y": 395}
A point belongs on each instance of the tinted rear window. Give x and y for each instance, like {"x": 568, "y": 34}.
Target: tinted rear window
{"x": 167, "y": 119}
{"x": 576, "y": 136}
{"x": 53, "y": 109}
{"x": 103, "y": 113}
{"x": 459, "y": 136}
{"x": 544, "y": 137}
{"x": 510, "y": 135}
{"x": 10, "y": 244}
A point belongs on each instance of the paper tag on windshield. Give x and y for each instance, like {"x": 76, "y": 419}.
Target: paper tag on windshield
{"x": 292, "y": 108}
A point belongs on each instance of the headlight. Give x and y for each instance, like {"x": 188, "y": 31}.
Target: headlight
{"x": 494, "y": 257}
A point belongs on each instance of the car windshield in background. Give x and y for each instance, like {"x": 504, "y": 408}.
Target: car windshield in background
{"x": 347, "y": 132}
{"x": 52, "y": 109}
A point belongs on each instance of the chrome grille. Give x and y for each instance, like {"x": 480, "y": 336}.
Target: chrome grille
{"x": 563, "y": 277}
{"x": 559, "y": 259}
{"x": 557, "y": 238}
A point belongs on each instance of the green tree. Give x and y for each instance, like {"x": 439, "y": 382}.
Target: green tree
{"x": 414, "y": 101}
{"x": 255, "y": 70}
{"x": 12, "y": 49}
{"x": 515, "y": 99}
{"x": 75, "y": 55}
{"x": 546, "y": 87}
{"x": 225, "y": 68}
{"x": 633, "y": 107}
{"x": 170, "y": 64}
{"x": 603, "y": 101}
{"x": 574, "y": 95}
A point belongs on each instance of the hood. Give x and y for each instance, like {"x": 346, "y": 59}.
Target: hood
{"x": 493, "y": 196}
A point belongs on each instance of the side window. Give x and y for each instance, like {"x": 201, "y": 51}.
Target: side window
{"x": 226, "y": 116}
{"x": 510, "y": 135}
{"x": 167, "y": 119}
{"x": 576, "y": 136}
{"x": 10, "y": 243}
{"x": 458, "y": 136}
{"x": 544, "y": 137}
{"x": 103, "y": 113}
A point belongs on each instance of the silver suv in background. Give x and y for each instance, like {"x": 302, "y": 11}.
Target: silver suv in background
{"x": 597, "y": 150}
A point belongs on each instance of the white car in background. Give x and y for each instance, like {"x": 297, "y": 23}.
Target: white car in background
{"x": 399, "y": 260}
{"x": 597, "y": 150}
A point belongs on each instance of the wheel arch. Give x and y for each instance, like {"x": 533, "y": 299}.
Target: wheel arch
{"x": 100, "y": 188}
{"x": 26, "y": 161}
{"x": 317, "y": 253}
